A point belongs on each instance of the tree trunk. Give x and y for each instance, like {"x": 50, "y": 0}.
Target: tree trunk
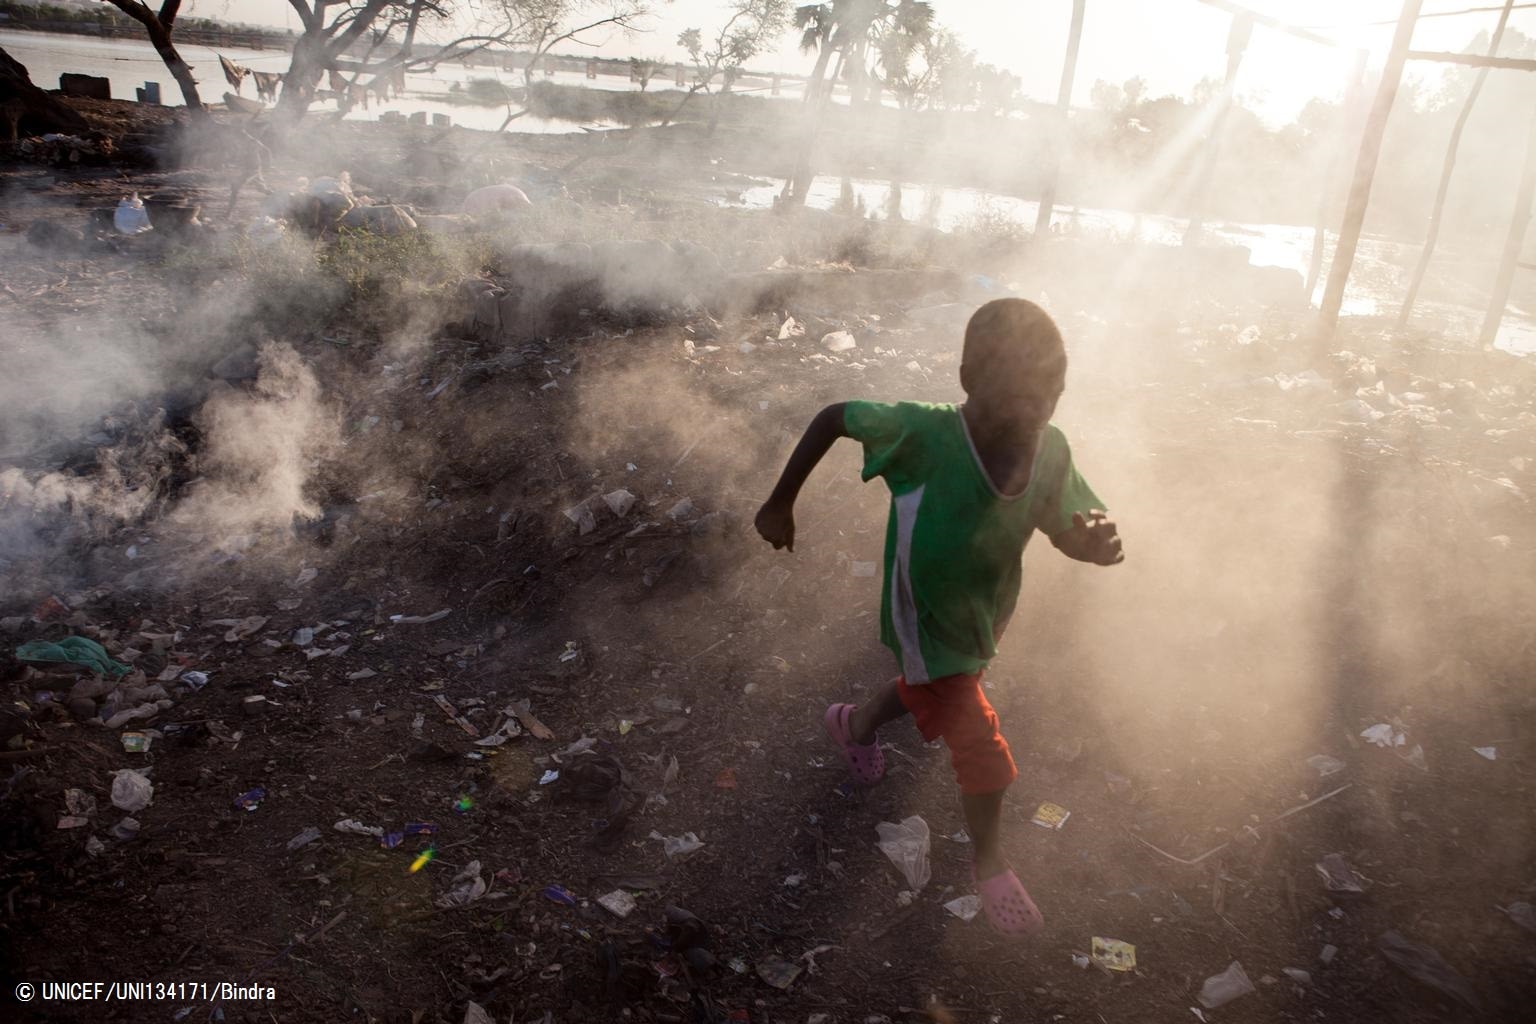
{"x": 818, "y": 74}
{"x": 160, "y": 38}
{"x": 1519, "y": 220}
{"x": 1365, "y": 172}
{"x": 714, "y": 110}
{"x": 303, "y": 77}
{"x": 159, "y": 32}
{"x": 1449, "y": 168}
{"x": 1063, "y": 106}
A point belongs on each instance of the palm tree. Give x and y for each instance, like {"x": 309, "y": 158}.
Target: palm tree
{"x": 816, "y": 23}
{"x": 846, "y": 28}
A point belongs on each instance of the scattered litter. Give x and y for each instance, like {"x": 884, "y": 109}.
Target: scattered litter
{"x": 358, "y": 828}
{"x": 1276, "y": 819}
{"x": 864, "y": 570}
{"x": 1297, "y": 975}
{"x": 467, "y": 886}
{"x": 618, "y": 903}
{"x": 1383, "y": 735}
{"x": 838, "y": 341}
{"x": 559, "y": 894}
{"x": 1230, "y": 984}
{"x": 1338, "y": 875}
{"x": 1426, "y": 965}
{"x": 549, "y": 776}
{"x": 474, "y": 1013}
{"x": 906, "y": 845}
{"x": 778, "y": 972}
{"x": 303, "y": 839}
{"x": 1491, "y": 753}
{"x": 72, "y": 650}
{"x": 303, "y": 637}
{"x": 305, "y": 577}
{"x": 678, "y": 846}
{"x": 620, "y": 502}
{"x": 790, "y": 328}
{"x": 1081, "y": 961}
{"x": 1522, "y": 913}
{"x": 1051, "y": 816}
{"x": 79, "y": 802}
{"x": 126, "y": 830}
{"x": 453, "y": 715}
{"x": 136, "y": 742}
{"x": 361, "y": 674}
{"x": 1328, "y": 953}
{"x": 419, "y": 620}
{"x": 130, "y": 217}
{"x": 149, "y": 710}
{"x": 131, "y": 791}
{"x": 966, "y": 907}
{"x": 1114, "y": 955}
{"x": 251, "y": 799}
{"x": 538, "y": 729}
{"x": 195, "y": 680}
{"x": 1325, "y": 765}
{"x": 244, "y": 629}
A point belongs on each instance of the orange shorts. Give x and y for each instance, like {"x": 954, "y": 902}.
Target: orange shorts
{"x": 956, "y": 710}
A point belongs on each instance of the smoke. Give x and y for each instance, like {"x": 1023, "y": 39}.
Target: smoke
{"x": 259, "y": 452}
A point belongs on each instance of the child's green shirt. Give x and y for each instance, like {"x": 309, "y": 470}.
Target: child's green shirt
{"x": 954, "y": 545}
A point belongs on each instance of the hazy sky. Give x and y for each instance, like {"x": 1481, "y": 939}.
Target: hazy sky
{"x": 1170, "y": 43}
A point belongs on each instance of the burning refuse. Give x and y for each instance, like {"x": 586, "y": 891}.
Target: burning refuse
{"x": 413, "y": 474}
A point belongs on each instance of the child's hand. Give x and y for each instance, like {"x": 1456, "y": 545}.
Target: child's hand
{"x": 1094, "y": 539}
{"x": 776, "y": 523}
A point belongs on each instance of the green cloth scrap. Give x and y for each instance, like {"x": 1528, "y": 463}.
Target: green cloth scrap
{"x": 73, "y": 650}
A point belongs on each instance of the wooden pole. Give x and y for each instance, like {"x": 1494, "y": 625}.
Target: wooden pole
{"x": 1448, "y": 169}
{"x": 1468, "y": 60}
{"x": 1518, "y": 221}
{"x": 1237, "y": 44}
{"x": 1352, "y": 104}
{"x": 1063, "y": 105}
{"x": 1365, "y": 169}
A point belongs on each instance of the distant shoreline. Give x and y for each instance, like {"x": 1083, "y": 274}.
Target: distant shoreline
{"x": 250, "y": 39}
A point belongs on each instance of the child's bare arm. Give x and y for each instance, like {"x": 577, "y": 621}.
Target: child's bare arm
{"x": 776, "y": 519}
{"x": 1091, "y": 539}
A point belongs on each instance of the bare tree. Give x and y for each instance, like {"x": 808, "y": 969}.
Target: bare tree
{"x": 353, "y": 39}
{"x": 159, "y": 26}
{"x": 642, "y": 70}
{"x": 753, "y": 24}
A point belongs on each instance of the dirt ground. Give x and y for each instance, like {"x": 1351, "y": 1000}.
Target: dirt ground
{"x": 1296, "y": 574}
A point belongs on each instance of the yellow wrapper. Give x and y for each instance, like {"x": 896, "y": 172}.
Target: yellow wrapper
{"x": 1114, "y": 954}
{"x": 1051, "y": 816}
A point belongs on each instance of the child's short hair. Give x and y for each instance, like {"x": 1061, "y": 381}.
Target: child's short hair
{"x": 1017, "y": 336}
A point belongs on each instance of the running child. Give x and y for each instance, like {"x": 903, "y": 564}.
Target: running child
{"x": 969, "y": 484}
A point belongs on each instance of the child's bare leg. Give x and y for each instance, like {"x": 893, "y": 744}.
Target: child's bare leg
{"x": 983, "y": 820}
{"x": 885, "y": 706}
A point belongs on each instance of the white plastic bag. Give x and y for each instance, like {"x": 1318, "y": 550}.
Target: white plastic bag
{"x": 131, "y": 791}
{"x": 906, "y": 845}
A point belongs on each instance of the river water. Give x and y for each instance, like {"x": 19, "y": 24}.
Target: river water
{"x": 1376, "y": 286}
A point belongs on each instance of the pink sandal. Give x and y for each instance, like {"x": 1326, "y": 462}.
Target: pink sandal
{"x": 865, "y": 761}
{"x": 1008, "y": 906}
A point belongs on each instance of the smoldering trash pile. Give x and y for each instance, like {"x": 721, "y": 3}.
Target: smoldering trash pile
{"x": 415, "y": 656}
